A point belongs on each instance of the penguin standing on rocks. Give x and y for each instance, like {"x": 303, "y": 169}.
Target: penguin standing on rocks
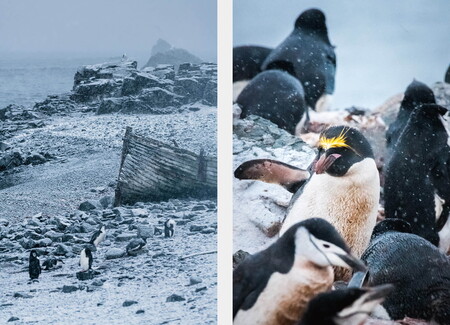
{"x": 417, "y": 176}
{"x": 86, "y": 259}
{"x": 416, "y": 94}
{"x": 98, "y": 236}
{"x": 275, "y": 285}
{"x": 349, "y": 306}
{"x": 344, "y": 188}
{"x": 309, "y": 51}
{"x": 419, "y": 271}
{"x": 135, "y": 246}
{"x": 34, "y": 268}
{"x": 169, "y": 227}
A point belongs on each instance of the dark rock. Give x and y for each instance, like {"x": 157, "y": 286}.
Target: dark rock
{"x": 11, "y": 160}
{"x": 67, "y": 237}
{"x": 128, "y": 303}
{"x": 22, "y": 295}
{"x": 140, "y": 311}
{"x": 208, "y": 231}
{"x": 27, "y": 243}
{"x": 61, "y": 250}
{"x": 35, "y": 159}
{"x": 144, "y": 231}
{"x": 114, "y": 253}
{"x": 4, "y": 146}
{"x": 88, "y": 205}
{"x": 195, "y": 228}
{"x": 106, "y": 201}
{"x": 174, "y": 298}
{"x": 97, "y": 283}
{"x": 69, "y": 288}
{"x": 194, "y": 280}
{"x": 13, "y": 319}
{"x": 199, "y": 207}
{"x": 200, "y": 289}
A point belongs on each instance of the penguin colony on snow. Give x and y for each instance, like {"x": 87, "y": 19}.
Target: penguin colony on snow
{"x": 86, "y": 257}
{"x": 394, "y": 269}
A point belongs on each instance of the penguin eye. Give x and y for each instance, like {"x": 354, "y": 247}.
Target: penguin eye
{"x": 326, "y": 245}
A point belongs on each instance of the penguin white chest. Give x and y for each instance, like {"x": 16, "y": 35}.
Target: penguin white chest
{"x": 84, "y": 261}
{"x": 99, "y": 239}
{"x": 286, "y": 296}
{"x": 348, "y": 202}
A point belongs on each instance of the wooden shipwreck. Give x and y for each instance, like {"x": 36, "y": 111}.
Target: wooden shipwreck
{"x": 151, "y": 170}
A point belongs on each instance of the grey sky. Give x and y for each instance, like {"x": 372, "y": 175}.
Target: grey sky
{"x": 380, "y": 45}
{"x": 107, "y": 27}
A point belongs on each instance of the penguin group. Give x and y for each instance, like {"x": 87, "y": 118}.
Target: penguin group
{"x": 392, "y": 266}
{"x": 283, "y": 83}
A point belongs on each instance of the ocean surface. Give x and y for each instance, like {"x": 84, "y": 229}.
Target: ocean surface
{"x": 381, "y": 46}
{"x": 26, "y": 79}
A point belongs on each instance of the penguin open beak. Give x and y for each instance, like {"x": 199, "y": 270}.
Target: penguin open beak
{"x": 353, "y": 262}
{"x": 325, "y": 162}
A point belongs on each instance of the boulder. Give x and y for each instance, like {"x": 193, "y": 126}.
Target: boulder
{"x": 114, "y": 253}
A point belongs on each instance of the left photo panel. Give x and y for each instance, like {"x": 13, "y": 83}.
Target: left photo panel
{"x": 108, "y": 162}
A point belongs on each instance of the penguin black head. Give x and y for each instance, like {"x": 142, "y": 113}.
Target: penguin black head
{"x": 340, "y": 147}
{"x": 318, "y": 241}
{"x": 33, "y": 254}
{"x": 391, "y": 224}
{"x": 311, "y": 19}
{"x": 88, "y": 251}
{"x": 350, "y": 306}
{"x": 416, "y": 94}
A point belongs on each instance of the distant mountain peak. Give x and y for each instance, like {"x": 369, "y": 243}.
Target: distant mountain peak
{"x": 164, "y": 53}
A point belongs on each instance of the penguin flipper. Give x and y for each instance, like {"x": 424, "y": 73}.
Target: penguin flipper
{"x": 273, "y": 171}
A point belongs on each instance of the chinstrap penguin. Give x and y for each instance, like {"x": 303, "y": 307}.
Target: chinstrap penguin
{"x": 34, "y": 268}
{"x": 98, "y": 236}
{"x": 275, "y": 285}
{"x": 86, "y": 259}
{"x": 135, "y": 245}
{"x": 169, "y": 228}
{"x": 417, "y": 176}
{"x": 344, "y": 187}
{"x": 309, "y": 50}
{"x": 419, "y": 271}
{"x": 349, "y": 306}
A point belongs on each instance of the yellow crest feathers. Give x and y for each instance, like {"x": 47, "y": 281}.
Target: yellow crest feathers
{"x": 335, "y": 142}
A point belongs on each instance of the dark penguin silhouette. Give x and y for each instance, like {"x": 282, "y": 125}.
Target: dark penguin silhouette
{"x": 34, "y": 268}
{"x": 349, "y": 306}
{"x": 311, "y": 54}
{"x": 135, "y": 245}
{"x": 86, "y": 259}
{"x": 447, "y": 75}
{"x": 247, "y": 61}
{"x": 417, "y": 269}
{"x": 416, "y": 94}
{"x": 344, "y": 186}
{"x": 274, "y": 95}
{"x": 169, "y": 228}
{"x": 275, "y": 285}
{"x": 417, "y": 176}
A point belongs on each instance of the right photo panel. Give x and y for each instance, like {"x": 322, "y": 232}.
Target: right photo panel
{"x": 341, "y": 153}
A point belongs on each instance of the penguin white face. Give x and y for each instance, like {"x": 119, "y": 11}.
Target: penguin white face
{"x": 340, "y": 147}
{"x": 103, "y": 229}
{"x": 324, "y": 253}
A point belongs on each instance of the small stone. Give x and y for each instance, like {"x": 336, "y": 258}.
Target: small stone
{"x": 195, "y": 228}
{"x": 86, "y": 275}
{"x": 144, "y": 231}
{"x": 208, "y": 231}
{"x": 200, "y": 289}
{"x": 69, "y": 289}
{"x": 125, "y": 237}
{"x": 128, "y": 303}
{"x": 22, "y": 295}
{"x": 54, "y": 236}
{"x": 13, "y": 319}
{"x": 174, "y": 298}
{"x": 44, "y": 242}
{"x": 97, "y": 283}
{"x": 114, "y": 253}
{"x": 194, "y": 280}
{"x": 140, "y": 311}
{"x": 198, "y": 207}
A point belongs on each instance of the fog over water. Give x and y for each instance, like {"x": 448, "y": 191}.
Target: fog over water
{"x": 380, "y": 45}
{"x": 42, "y": 43}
